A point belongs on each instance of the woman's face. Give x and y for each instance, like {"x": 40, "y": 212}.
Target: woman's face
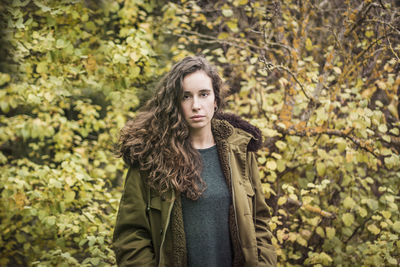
{"x": 198, "y": 101}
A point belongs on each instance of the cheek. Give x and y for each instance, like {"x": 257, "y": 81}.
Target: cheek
{"x": 211, "y": 107}
{"x": 184, "y": 109}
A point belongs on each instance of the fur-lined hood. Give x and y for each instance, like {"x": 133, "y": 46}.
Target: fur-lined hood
{"x": 224, "y": 125}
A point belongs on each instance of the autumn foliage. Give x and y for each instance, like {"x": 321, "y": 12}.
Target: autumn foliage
{"x": 319, "y": 78}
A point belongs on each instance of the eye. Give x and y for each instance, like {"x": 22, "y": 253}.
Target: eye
{"x": 205, "y": 94}
{"x": 185, "y": 97}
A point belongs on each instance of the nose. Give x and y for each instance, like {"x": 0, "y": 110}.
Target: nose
{"x": 195, "y": 103}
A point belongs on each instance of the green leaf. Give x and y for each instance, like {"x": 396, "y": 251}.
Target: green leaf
{"x": 69, "y": 196}
{"x": 348, "y": 219}
{"x": 330, "y": 232}
{"x": 320, "y": 168}
{"x": 95, "y": 261}
{"x": 362, "y": 212}
{"x": 54, "y": 183}
{"x": 4, "y": 78}
{"x": 92, "y": 240}
{"x": 281, "y": 145}
{"x": 349, "y": 203}
{"x": 280, "y": 165}
{"x": 41, "y": 67}
{"x": 396, "y": 226}
{"x": 372, "y": 204}
{"x": 60, "y": 43}
{"x": 51, "y": 220}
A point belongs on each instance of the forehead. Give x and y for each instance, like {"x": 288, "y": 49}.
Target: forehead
{"x": 197, "y": 81}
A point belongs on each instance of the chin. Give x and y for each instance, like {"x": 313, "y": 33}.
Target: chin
{"x": 197, "y": 126}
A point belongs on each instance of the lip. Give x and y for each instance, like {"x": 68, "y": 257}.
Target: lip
{"x": 197, "y": 117}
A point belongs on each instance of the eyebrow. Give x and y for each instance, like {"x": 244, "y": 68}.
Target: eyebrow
{"x": 201, "y": 91}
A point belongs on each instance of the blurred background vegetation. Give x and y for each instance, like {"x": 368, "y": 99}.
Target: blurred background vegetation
{"x": 319, "y": 78}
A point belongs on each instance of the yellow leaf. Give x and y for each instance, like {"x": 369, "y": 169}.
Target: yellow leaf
{"x": 337, "y": 70}
{"x": 69, "y": 196}
{"x": 369, "y": 34}
{"x": 301, "y": 241}
{"x": 223, "y": 35}
{"x": 309, "y": 45}
{"x": 232, "y": 25}
{"x": 134, "y": 56}
{"x": 282, "y": 200}
{"x": 227, "y": 12}
{"x": 382, "y": 128}
{"x": 320, "y": 231}
{"x": 20, "y": 200}
{"x": 271, "y": 165}
{"x": 373, "y": 229}
{"x": 386, "y": 214}
{"x": 381, "y": 84}
{"x": 261, "y": 160}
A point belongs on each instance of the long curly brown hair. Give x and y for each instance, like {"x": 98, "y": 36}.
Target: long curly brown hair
{"x": 158, "y": 138}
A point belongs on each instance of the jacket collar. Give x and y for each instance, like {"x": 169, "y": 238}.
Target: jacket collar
{"x": 232, "y": 128}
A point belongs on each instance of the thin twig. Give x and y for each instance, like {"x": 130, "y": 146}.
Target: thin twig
{"x": 270, "y": 67}
{"x": 339, "y": 133}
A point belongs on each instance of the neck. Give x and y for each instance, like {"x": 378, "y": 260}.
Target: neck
{"x": 202, "y": 138}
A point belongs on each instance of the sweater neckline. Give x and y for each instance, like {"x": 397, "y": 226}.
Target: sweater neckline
{"x": 202, "y": 150}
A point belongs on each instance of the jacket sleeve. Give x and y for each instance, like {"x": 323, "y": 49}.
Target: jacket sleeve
{"x": 266, "y": 251}
{"x": 132, "y": 239}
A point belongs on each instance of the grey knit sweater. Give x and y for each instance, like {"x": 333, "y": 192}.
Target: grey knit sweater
{"x": 206, "y": 220}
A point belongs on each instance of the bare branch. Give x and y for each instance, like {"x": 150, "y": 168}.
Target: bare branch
{"x": 311, "y": 208}
{"x": 344, "y": 134}
{"x": 270, "y": 67}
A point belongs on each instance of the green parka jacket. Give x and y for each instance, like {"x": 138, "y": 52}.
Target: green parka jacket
{"x": 149, "y": 228}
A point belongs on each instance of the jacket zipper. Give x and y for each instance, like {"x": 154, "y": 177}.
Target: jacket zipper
{"x": 233, "y": 199}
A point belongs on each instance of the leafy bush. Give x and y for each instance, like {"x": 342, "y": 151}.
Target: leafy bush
{"x": 69, "y": 81}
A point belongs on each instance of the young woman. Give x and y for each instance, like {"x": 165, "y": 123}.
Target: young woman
{"x": 192, "y": 194}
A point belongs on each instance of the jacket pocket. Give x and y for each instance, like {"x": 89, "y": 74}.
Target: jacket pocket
{"x": 248, "y": 227}
{"x": 250, "y": 197}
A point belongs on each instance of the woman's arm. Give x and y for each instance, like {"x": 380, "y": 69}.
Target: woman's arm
{"x": 132, "y": 239}
{"x": 266, "y": 251}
